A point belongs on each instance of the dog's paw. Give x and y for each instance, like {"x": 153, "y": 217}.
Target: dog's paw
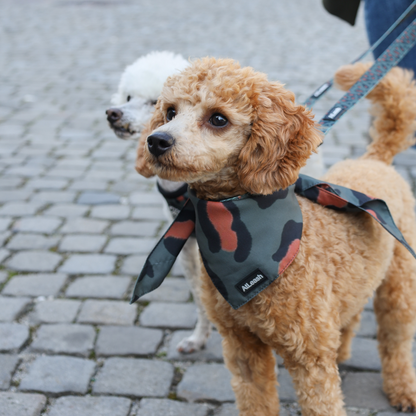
{"x": 405, "y": 403}
{"x": 191, "y": 344}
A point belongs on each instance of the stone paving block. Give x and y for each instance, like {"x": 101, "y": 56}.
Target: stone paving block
{"x": 148, "y": 213}
{"x": 89, "y": 264}
{"x": 111, "y": 287}
{"x": 90, "y": 406}
{"x": 126, "y": 245}
{"x": 42, "y": 225}
{"x": 211, "y": 352}
{"x": 145, "y": 198}
{"x": 3, "y": 277}
{"x": 15, "y": 195}
{"x": 169, "y": 315}
{"x": 135, "y": 228}
{"x": 84, "y": 225}
{"x": 116, "y": 340}
{"x": 10, "y": 183}
{"x": 58, "y": 375}
{"x": 23, "y": 241}
{"x": 11, "y": 308}
{"x": 64, "y": 339}
{"x": 21, "y": 209}
{"x": 90, "y": 185}
{"x": 368, "y": 326}
{"x": 4, "y": 254}
{"x": 66, "y": 210}
{"x": 393, "y": 413}
{"x": 65, "y": 173}
{"x": 19, "y": 404}
{"x": 46, "y": 183}
{"x": 352, "y": 411}
{"x": 364, "y": 390}
{"x": 111, "y": 212}
{"x": 98, "y": 198}
{"x": 364, "y": 355}
{"x": 206, "y": 382}
{"x": 3, "y": 237}
{"x": 165, "y": 407}
{"x": 173, "y": 289}
{"x": 4, "y": 223}
{"x": 82, "y": 243}
{"x": 107, "y": 312}
{"x": 286, "y": 389}
{"x": 133, "y": 264}
{"x": 55, "y": 311}
{"x": 12, "y": 336}
{"x": 8, "y": 364}
{"x": 54, "y": 196}
{"x": 36, "y": 261}
{"x": 45, "y": 284}
{"x": 229, "y": 409}
{"x": 369, "y": 306}
{"x": 119, "y": 376}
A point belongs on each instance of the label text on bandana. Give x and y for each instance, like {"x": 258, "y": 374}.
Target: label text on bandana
{"x": 249, "y": 283}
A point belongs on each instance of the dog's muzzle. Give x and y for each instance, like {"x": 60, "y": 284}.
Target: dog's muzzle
{"x": 159, "y": 143}
{"x": 113, "y": 115}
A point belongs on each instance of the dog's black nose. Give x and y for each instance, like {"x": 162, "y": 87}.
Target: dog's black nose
{"x": 159, "y": 143}
{"x": 114, "y": 114}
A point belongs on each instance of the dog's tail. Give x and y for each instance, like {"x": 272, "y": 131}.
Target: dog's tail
{"x": 393, "y": 107}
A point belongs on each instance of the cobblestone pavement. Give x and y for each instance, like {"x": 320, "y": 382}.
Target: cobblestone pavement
{"x": 76, "y": 221}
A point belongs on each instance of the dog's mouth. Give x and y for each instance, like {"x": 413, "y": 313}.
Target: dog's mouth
{"x": 123, "y": 132}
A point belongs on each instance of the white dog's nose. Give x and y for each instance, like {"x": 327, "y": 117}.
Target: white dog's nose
{"x": 113, "y": 115}
{"x": 159, "y": 143}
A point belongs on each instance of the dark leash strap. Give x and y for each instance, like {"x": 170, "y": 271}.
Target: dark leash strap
{"x": 326, "y": 86}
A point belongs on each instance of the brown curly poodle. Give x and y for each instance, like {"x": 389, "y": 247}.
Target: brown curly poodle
{"x": 226, "y": 131}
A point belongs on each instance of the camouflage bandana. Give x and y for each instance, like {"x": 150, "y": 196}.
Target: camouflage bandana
{"x": 242, "y": 254}
{"x": 176, "y": 199}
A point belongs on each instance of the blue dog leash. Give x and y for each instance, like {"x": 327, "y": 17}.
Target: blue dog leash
{"x": 326, "y": 86}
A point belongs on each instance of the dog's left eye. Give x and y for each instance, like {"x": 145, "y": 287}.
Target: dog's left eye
{"x": 218, "y": 120}
{"x": 128, "y": 98}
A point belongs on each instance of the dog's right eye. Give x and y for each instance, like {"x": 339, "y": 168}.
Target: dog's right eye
{"x": 170, "y": 114}
{"x": 128, "y": 98}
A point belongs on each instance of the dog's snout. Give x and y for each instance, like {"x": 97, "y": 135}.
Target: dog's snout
{"x": 114, "y": 114}
{"x": 159, "y": 143}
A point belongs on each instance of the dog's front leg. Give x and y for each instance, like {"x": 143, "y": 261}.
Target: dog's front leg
{"x": 252, "y": 365}
{"x": 311, "y": 359}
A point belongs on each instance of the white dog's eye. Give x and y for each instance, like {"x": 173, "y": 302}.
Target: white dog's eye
{"x": 128, "y": 98}
{"x": 170, "y": 114}
{"x": 218, "y": 120}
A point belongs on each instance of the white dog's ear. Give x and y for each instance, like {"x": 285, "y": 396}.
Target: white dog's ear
{"x": 283, "y": 136}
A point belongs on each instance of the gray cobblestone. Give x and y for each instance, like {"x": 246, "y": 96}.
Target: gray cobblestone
{"x": 3, "y": 277}
{"x": 4, "y": 223}
{"x": 46, "y": 183}
{"x": 8, "y": 364}
{"x": 34, "y": 261}
{"x": 67, "y": 211}
{"x": 107, "y": 312}
{"x": 130, "y": 245}
{"x": 84, "y": 225}
{"x": 55, "y": 311}
{"x": 134, "y": 228}
{"x": 229, "y": 409}
{"x": 145, "y": 198}
{"x": 32, "y": 241}
{"x": 147, "y": 213}
{"x": 12, "y": 336}
{"x": 174, "y": 289}
{"x": 90, "y": 406}
{"x": 133, "y": 264}
{"x": 169, "y": 315}
{"x": 151, "y": 407}
{"x": 206, "y": 382}
{"x": 364, "y": 355}
{"x": 42, "y": 225}
{"x": 98, "y": 198}
{"x": 15, "y": 195}
{"x": 111, "y": 212}
{"x": 119, "y": 376}
{"x": 58, "y": 375}
{"x": 21, "y": 209}
{"x": 3, "y": 254}
{"x": 11, "y": 308}
{"x": 89, "y": 264}
{"x": 82, "y": 243}
{"x": 115, "y": 340}
{"x": 64, "y": 339}
{"x": 110, "y": 287}
{"x": 54, "y": 196}
{"x": 46, "y": 284}
{"x": 21, "y": 404}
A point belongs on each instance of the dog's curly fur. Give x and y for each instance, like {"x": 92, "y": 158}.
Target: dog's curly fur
{"x": 307, "y": 315}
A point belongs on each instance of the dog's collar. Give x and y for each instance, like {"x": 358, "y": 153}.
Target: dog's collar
{"x": 246, "y": 242}
{"x": 175, "y": 199}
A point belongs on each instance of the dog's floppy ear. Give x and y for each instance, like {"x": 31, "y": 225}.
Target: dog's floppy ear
{"x": 283, "y": 136}
{"x": 142, "y": 165}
